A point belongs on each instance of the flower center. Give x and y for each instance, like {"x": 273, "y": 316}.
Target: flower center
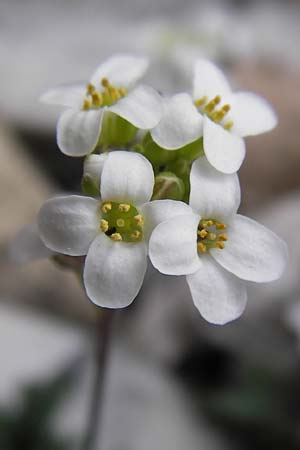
{"x": 121, "y": 222}
{"x": 95, "y": 99}
{"x": 210, "y": 235}
{"x": 217, "y": 114}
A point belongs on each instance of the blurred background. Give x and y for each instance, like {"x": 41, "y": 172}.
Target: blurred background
{"x": 174, "y": 382}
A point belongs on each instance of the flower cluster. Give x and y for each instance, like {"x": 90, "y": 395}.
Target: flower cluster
{"x": 160, "y": 181}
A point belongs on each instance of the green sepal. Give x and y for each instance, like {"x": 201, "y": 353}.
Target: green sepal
{"x": 116, "y": 131}
{"x": 89, "y": 187}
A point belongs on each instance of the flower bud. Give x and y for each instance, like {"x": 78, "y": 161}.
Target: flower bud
{"x": 92, "y": 169}
{"x": 168, "y": 186}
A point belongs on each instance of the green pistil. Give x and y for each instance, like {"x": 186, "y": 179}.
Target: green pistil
{"x": 121, "y": 222}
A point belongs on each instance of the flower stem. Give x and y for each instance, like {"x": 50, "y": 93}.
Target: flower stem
{"x": 93, "y": 431}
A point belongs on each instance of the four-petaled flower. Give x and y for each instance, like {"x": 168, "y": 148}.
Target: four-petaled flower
{"x": 215, "y": 247}
{"x": 112, "y": 231}
{"x": 223, "y": 118}
{"x": 110, "y": 89}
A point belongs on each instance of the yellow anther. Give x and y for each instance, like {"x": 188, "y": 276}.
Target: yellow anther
{"x": 220, "y": 245}
{"x": 226, "y": 108}
{"x": 116, "y": 237}
{"x": 212, "y": 236}
{"x": 212, "y": 104}
{"x": 219, "y": 115}
{"x": 209, "y": 223}
{"x": 136, "y": 234}
{"x": 97, "y": 98}
{"x": 103, "y": 225}
{"x": 201, "y": 247}
{"x": 223, "y": 237}
{"x": 87, "y": 103}
{"x": 122, "y": 91}
{"x": 139, "y": 220}
{"x": 202, "y": 233}
{"x": 120, "y": 223}
{"x": 201, "y": 101}
{"x": 90, "y": 88}
{"x": 228, "y": 125}
{"x": 105, "y": 82}
{"x": 124, "y": 207}
{"x": 221, "y": 226}
{"x": 106, "y": 207}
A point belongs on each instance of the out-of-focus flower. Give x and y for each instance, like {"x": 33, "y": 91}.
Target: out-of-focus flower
{"x": 110, "y": 90}
{"x": 113, "y": 232}
{"x": 27, "y": 246}
{"x": 216, "y": 247}
{"x": 225, "y": 118}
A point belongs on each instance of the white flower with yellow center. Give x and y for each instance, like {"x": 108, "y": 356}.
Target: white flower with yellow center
{"x": 215, "y": 247}
{"x": 113, "y": 232}
{"x": 110, "y": 89}
{"x": 223, "y": 118}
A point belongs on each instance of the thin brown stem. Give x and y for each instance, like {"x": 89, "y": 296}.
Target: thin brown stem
{"x": 94, "y": 425}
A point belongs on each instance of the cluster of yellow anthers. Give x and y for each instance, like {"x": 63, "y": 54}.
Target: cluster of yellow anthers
{"x": 121, "y": 222}
{"x": 209, "y": 235}
{"x": 209, "y": 108}
{"x": 107, "y": 97}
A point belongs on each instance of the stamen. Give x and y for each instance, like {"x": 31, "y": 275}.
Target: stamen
{"x": 212, "y": 104}
{"x": 136, "y": 234}
{"x": 90, "y": 88}
{"x": 228, "y": 125}
{"x": 97, "y": 98}
{"x": 87, "y": 104}
{"x": 105, "y": 82}
{"x": 201, "y": 101}
{"x": 116, "y": 237}
{"x": 203, "y": 233}
{"x": 106, "y": 207}
{"x": 220, "y": 245}
{"x": 201, "y": 247}
{"x": 221, "y": 226}
{"x": 139, "y": 220}
{"x": 124, "y": 207}
{"x": 223, "y": 237}
{"x": 123, "y": 91}
{"x": 104, "y": 225}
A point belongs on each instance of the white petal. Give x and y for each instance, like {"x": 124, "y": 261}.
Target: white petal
{"x": 219, "y": 296}
{"x": 159, "y": 211}
{"x": 127, "y": 177}
{"x": 180, "y": 125}
{"x": 209, "y": 80}
{"x": 69, "y": 224}
{"x": 173, "y": 245}
{"x": 252, "y": 252}
{"x": 93, "y": 166}
{"x": 213, "y": 194}
{"x": 27, "y": 246}
{"x": 78, "y": 131}
{"x": 251, "y": 114}
{"x": 121, "y": 70}
{"x": 224, "y": 150}
{"x": 66, "y": 95}
{"x": 114, "y": 271}
{"x": 142, "y": 107}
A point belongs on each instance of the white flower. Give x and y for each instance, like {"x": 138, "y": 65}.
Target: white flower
{"x": 109, "y": 89}
{"x": 113, "y": 232}
{"x": 225, "y": 118}
{"x": 216, "y": 261}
